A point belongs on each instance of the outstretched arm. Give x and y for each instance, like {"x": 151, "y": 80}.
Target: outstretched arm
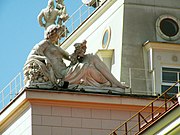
{"x": 64, "y": 53}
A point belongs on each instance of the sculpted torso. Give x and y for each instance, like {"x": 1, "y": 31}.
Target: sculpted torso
{"x": 50, "y": 16}
{"x": 55, "y": 55}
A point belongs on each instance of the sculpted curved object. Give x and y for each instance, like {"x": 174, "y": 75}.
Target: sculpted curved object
{"x": 45, "y": 67}
{"x": 45, "y": 62}
{"x": 88, "y": 69}
{"x": 60, "y": 6}
{"x": 51, "y": 15}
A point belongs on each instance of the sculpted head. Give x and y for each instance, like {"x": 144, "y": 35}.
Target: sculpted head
{"x": 80, "y": 48}
{"x": 53, "y": 32}
{"x": 51, "y": 3}
{"x": 59, "y": 1}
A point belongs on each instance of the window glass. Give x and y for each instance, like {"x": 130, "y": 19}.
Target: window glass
{"x": 171, "y": 92}
{"x": 169, "y": 77}
{"x": 106, "y": 38}
{"x": 169, "y": 27}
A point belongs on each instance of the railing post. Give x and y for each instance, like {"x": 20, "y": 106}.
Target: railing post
{"x": 2, "y": 98}
{"x": 10, "y": 92}
{"x": 130, "y": 78}
{"x": 20, "y": 79}
{"x": 152, "y": 111}
{"x": 16, "y": 86}
{"x": 88, "y": 10}
{"x": 114, "y": 133}
{"x": 178, "y": 79}
{"x": 139, "y": 121}
{"x": 80, "y": 14}
{"x": 72, "y": 23}
{"x": 165, "y": 96}
{"x": 154, "y": 82}
{"x": 126, "y": 129}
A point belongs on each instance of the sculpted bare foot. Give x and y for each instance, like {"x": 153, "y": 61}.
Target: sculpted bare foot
{"x": 121, "y": 85}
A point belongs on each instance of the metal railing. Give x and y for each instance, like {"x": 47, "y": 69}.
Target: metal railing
{"x": 9, "y": 92}
{"x": 150, "y": 113}
{"x": 141, "y": 81}
{"x": 76, "y": 19}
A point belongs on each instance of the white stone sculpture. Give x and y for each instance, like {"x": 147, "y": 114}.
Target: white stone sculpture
{"x": 88, "y": 69}
{"x": 61, "y": 7}
{"x": 44, "y": 66}
{"x": 51, "y": 15}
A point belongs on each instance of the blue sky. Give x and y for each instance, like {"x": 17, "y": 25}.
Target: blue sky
{"x": 20, "y": 31}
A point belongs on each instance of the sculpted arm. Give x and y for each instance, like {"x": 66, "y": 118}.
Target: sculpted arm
{"x": 64, "y": 54}
{"x": 63, "y": 15}
{"x": 38, "y": 52}
{"x": 59, "y": 12}
{"x": 43, "y": 59}
{"x": 40, "y": 17}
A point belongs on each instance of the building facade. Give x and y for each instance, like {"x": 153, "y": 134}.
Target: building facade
{"x": 138, "y": 41}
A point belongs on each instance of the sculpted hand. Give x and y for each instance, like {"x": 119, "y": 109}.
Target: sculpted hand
{"x": 48, "y": 63}
{"x": 73, "y": 59}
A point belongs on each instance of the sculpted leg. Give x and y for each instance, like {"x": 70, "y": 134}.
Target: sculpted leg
{"x": 102, "y": 68}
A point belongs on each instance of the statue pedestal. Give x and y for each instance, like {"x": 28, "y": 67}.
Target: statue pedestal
{"x": 97, "y": 89}
{"x": 45, "y": 85}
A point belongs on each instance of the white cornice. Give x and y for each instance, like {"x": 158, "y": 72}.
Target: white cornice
{"x": 162, "y": 46}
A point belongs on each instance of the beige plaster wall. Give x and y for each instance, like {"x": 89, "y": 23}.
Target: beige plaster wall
{"x": 162, "y": 55}
{"x": 47, "y": 112}
{"x": 59, "y": 120}
{"x": 164, "y": 59}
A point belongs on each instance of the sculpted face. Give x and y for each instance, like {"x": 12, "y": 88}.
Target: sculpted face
{"x": 81, "y": 50}
{"x": 53, "y": 33}
{"x": 54, "y": 38}
{"x": 59, "y": 1}
{"x": 51, "y": 3}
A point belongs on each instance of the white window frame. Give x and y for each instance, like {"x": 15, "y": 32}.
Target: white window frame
{"x": 170, "y": 83}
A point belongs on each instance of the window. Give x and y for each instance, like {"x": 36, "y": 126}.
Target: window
{"x": 171, "y": 92}
{"x": 169, "y": 77}
{"x": 106, "y": 38}
{"x": 168, "y": 27}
